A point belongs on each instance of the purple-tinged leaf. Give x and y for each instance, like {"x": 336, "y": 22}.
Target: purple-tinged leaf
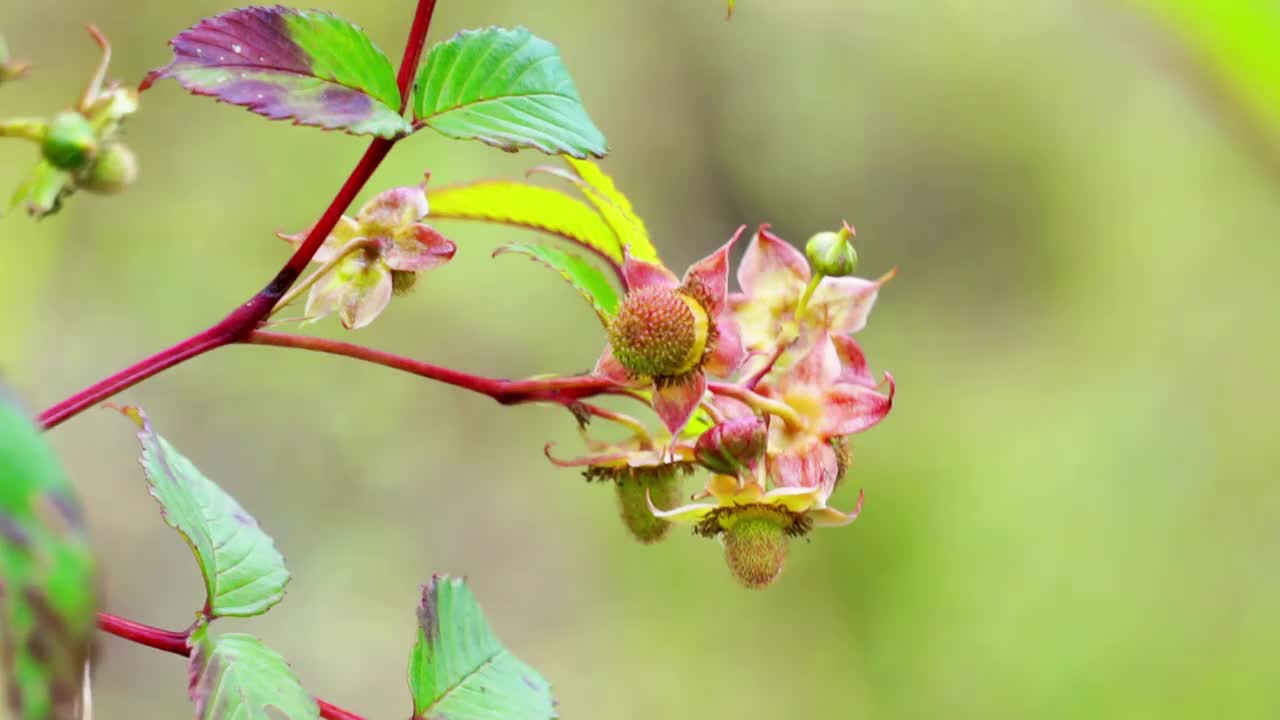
{"x": 236, "y": 677}
{"x": 305, "y": 65}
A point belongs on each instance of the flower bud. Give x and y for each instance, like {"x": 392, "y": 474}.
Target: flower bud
{"x": 733, "y": 446}
{"x": 662, "y": 486}
{"x": 755, "y": 548}
{"x": 70, "y": 142}
{"x": 659, "y": 333}
{"x": 832, "y": 253}
{"x": 113, "y": 170}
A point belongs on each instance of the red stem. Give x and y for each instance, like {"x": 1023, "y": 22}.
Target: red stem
{"x": 176, "y": 643}
{"x": 166, "y": 640}
{"x": 562, "y": 390}
{"x": 250, "y": 315}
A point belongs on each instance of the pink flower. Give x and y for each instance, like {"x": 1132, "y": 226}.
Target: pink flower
{"x": 669, "y": 333}
{"x": 774, "y": 276}
{"x": 395, "y": 247}
{"x": 832, "y": 395}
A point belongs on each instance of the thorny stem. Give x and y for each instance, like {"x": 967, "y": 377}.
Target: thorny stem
{"x": 560, "y": 390}
{"x": 250, "y": 315}
{"x": 346, "y": 251}
{"x": 176, "y": 643}
{"x": 759, "y": 402}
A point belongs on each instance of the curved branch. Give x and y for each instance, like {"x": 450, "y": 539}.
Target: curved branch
{"x": 250, "y": 315}
{"x": 560, "y": 390}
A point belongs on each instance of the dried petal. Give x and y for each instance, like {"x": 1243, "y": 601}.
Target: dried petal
{"x": 417, "y": 247}
{"x": 393, "y": 209}
{"x": 358, "y": 289}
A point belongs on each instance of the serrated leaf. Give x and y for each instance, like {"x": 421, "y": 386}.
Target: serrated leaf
{"x": 616, "y": 209}
{"x": 586, "y": 278}
{"x": 528, "y": 206}
{"x": 46, "y": 575}
{"x": 506, "y": 88}
{"x": 243, "y": 572}
{"x": 1238, "y": 44}
{"x": 459, "y": 670}
{"x": 236, "y": 677}
{"x": 42, "y": 191}
{"x": 306, "y": 65}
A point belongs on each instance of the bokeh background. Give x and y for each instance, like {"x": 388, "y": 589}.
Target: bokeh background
{"x": 1072, "y": 512}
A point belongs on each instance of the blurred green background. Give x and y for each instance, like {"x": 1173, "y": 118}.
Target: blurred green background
{"x": 1072, "y": 512}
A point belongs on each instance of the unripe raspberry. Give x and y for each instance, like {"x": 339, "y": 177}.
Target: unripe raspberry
{"x": 402, "y": 281}
{"x": 755, "y": 548}
{"x": 659, "y": 333}
{"x": 113, "y": 170}
{"x": 733, "y": 446}
{"x": 70, "y": 142}
{"x": 634, "y": 493}
{"x": 832, "y": 253}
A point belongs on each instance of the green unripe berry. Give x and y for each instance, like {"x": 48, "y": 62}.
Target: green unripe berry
{"x": 756, "y": 548}
{"x": 831, "y": 253}
{"x": 113, "y": 170}
{"x": 70, "y": 142}
{"x": 634, "y": 494}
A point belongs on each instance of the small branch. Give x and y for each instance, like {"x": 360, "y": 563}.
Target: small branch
{"x": 758, "y": 401}
{"x": 166, "y": 640}
{"x": 559, "y": 390}
{"x": 176, "y": 643}
{"x": 250, "y": 315}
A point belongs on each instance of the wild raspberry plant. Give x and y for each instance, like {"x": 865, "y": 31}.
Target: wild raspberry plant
{"x": 759, "y": 389}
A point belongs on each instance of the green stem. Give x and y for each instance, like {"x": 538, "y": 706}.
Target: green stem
{"x": 27, "y": 128}
{"x": 808, "y": 294}
{"x": 759, "y": 402}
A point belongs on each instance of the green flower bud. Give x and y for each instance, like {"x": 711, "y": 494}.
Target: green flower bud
{"x": 832, "y": 253}
{"x": 70, "y": 142}
{"x": 662, "y": 485}
{"x": 113, "y": 170}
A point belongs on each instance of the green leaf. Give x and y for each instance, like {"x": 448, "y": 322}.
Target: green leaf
{"x": 236, "y": 677}
{"x": 305, "y": 65}
{"x": 506, "y": 88}
{"x": 1238, "y": 44}
{"x": 459, "y": 670}
{"x": 42, "y": 191}
{"x": 586, "y": 278}
{"x": 616, "y": 209}
{"x": 46, "y": 575}
{"x": 528, "y": 206}
{"x": 243, "y": 572}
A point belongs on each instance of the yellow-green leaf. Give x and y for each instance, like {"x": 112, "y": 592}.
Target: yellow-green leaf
{"x": 616, "y": 209}
{"x": 529, "y": 206}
